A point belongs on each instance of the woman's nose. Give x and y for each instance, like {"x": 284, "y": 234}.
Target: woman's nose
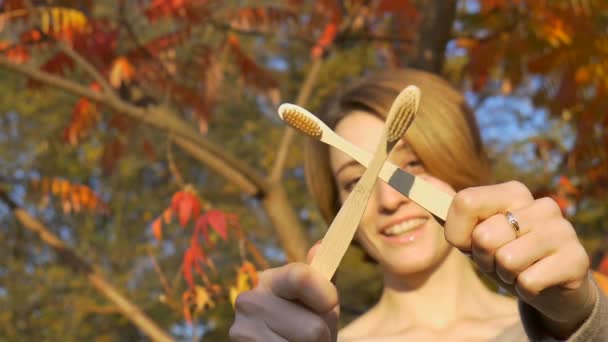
{"x": 389, "y": 199}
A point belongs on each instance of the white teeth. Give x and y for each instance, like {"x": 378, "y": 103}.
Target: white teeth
{"x": 404, "y": 226}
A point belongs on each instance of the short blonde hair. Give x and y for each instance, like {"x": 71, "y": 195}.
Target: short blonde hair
{"x": 444, "y": 134}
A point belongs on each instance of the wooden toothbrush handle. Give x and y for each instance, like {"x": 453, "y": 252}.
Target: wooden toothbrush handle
{"x": 343, "y": 228}
{"x": 415, "y": 188}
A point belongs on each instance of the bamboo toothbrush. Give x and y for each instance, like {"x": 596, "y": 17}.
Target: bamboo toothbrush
{"x": 343, "y": 228}
{"x": 415, "y": 188}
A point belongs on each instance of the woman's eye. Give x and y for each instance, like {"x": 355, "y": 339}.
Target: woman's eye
{"x": 413, "y": 165}
{"x": 350, "y": 184}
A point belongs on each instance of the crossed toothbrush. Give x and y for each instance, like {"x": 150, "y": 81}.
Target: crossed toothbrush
{"x": 342, "y": 229}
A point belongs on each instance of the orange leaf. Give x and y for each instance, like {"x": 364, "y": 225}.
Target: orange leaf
{"x": 604, "y": 267}
{"x": 122, "y": 72}
{"x": 167, "y": 215}
{"x": 157, "y": 229}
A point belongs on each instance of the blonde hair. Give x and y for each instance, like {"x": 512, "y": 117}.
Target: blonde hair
{"x": 444, "y": 134}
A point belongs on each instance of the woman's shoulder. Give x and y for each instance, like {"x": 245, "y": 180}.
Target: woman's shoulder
{"x": 363, "y": 327}
{"x": 497, "y": 316}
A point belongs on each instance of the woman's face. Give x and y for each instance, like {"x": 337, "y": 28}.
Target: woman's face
{"x": 400, "y": 235}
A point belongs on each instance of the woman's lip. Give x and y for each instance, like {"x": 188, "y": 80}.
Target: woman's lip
{"x": 396, "y": 222}
{"x": 408, "y": 237}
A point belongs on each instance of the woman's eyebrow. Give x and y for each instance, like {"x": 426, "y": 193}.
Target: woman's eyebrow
{"x": 351, "y": 162}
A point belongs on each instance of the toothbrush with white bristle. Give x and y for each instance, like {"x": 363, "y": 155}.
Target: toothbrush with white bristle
{"x": 415, "y": 188}
{"x": 343, "y": 228}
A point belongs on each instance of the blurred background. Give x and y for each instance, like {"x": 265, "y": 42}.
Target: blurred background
{"x": 145, "y": 175}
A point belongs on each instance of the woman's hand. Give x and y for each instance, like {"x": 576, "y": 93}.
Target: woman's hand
{"x": 543, "y": 263}
{"x": 290, "y": 303}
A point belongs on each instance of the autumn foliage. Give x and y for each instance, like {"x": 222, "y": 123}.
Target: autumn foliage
{"x": 164, "y": 94}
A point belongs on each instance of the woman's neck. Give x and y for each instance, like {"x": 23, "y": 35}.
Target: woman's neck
{"x": 437, "y": 298}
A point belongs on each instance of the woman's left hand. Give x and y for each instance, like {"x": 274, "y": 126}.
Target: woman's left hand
{"x": 543, "y": 262}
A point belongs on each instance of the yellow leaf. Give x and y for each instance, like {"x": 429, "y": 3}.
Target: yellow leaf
{"x": 233, "y": 294}
{"x": 203, "y": 299}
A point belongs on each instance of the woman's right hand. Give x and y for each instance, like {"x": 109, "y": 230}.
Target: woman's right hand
{"x": 291, "y": 303}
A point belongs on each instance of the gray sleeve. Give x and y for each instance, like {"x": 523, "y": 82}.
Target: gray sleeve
{"x": 594, "y": 329}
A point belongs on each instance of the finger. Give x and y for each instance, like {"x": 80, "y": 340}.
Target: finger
{"x": 331, "y": 319}
{"x": 496, "y": 231}
{"x": 487, "y": 237}
{"x": 472, "y": 205}
{"x": 245, "y": 329}
{"x": 294, "y": 322}
{"x": 518, "y": 255}
{"x": 300, "y": 282}
{"x": 543, "y": 231}
{"x": 565, "y": 269}
{"x": 312, "y": 251}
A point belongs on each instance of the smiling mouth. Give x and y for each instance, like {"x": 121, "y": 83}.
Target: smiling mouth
{"x": 403, "y": 227}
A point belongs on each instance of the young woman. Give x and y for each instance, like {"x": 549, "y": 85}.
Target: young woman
{"x": 431, "y": 290}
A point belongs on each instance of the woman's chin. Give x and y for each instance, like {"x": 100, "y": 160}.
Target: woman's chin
{"x": 409, "y": 261}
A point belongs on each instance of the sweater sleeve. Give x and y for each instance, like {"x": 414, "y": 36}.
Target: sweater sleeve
{"x": 594, "y": 329}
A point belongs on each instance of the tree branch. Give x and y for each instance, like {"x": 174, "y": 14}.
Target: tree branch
{"x": 87, "y": 67}
{"x": 69, "y": 257}
{"x": 289, "y": 133}
{"x": 234, "y": 170}
{"x": 273, "y": 196}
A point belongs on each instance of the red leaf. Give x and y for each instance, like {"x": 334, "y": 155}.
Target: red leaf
{"x": 401, "y": 8}
{"x": 175, "y": 200}
{"x": 187, "y": 266}
{"x": 185, "y": 210}
{"x": 252, "y": 74}
{"x": 112, "y": 153}
{"x": 194, "y": 10}
{"x": 202, "y": 227}
{"x": 157, "y": 229}
{"x": 18, "y": 54}
{"x": 328, "y": 36}
{"x": 259, "y": 18}
{"x": 11, "y": 5}
{"x": 567, "y": 186}
{"x": 149, "y": 150}
{"x": 84, "y": 117}
{"x": 218, "y": 221}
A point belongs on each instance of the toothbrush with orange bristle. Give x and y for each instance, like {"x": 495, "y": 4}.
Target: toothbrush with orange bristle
{"x": 415, "y": 188}
{"x": 343, "y": 228}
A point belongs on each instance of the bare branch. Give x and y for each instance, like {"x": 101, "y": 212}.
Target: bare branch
{"x": 87, "y": 67}
{"x": 172, "y": 166}
{"x": 256, "y": 33}
{"x": 159, "y": 271}
{"x": 185, "y": 136}
{"x": 288, "y": 135}
{"x": 69, "y": 257}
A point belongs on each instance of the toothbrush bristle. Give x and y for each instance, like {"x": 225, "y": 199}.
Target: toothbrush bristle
{"x": 406, "y": 105}
{"x": 301, "y": 122}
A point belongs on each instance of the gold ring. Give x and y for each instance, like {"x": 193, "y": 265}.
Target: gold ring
{"x": 512, "y": 221}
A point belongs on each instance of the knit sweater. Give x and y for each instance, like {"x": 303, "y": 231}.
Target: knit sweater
{"x": 594, "y": 329}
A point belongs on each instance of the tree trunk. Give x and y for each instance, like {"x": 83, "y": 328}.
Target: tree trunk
{"x": 292, "y": 238}
{"x": 434, "y": 34}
